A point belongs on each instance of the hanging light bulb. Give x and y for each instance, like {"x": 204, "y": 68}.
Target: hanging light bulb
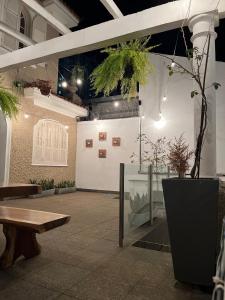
{"x": 173, "y": 64}
{"x": 164, "y": 98}
{"x": 161, "y": 122}
{"x": 26, "y": 116}
{"x": 64, "y": 84}
{"x": 116, "y": 103}
{"x": 79, "y": 81}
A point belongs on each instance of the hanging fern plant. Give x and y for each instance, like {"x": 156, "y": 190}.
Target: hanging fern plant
{"x": 8, "y": 102}
{"x": 126, "y": 65}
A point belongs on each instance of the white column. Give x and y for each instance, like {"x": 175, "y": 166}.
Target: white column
{"x": 201, "y": 26}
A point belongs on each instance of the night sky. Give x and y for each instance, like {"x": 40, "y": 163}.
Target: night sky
{"x": 92, "y": 12}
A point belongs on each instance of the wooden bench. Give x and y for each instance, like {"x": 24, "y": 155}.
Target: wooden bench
{"x": 16, "y": 190}
{"x": 20, "y": 227}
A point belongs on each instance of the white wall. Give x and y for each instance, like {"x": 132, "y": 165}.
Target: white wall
{"x": 103, "y": 174}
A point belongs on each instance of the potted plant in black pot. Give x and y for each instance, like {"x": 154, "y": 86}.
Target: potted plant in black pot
{"x": 192, "y": 203}
{"x": 191, "y": 209}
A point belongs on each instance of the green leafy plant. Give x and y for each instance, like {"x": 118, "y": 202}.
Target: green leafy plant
{"x": 197, "y": 70}
{"x": 43, "y": 85}
{"x": 65, "y": 184}
{"x": 155, "y": 154}
{"x": 179, "y": 156}
{"x": 46, "y": 184}
{"x": 127, "y": 65}
{"x": 9, "y": 103}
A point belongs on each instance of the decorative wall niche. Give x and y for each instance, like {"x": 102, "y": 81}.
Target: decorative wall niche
{"x": 102, "y": 153}
{"x": 102, "y": 136}
{"x": 50, "y": 143}
{"x": 89, "y": 143}
{"x": 116, "y": 141}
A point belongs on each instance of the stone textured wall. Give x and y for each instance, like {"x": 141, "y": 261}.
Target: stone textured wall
{"x": 21, "y": 169}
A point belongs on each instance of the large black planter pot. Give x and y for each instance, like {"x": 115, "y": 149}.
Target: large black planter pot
{"x": 191, "y": 208}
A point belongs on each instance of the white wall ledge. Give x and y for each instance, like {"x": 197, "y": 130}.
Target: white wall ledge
{"x": 55, "y": 103}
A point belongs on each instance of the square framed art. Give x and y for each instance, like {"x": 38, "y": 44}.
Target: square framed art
{"x": 89, "y": 143}
{"x": 116, "y": 141}
{"x": 102, "y": 136}
{"x": 102, "y": 153}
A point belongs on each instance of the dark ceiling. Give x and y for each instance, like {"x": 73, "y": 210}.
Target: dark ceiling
{"x": 92, "y": 12}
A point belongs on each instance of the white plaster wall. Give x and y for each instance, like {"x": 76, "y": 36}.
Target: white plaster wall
{"x": 103, "y": 174}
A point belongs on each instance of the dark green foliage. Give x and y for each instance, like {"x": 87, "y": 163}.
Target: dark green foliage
{"x": 216, "y": 85}
{"x": 9, "y": 102}
{"x": 46, "y": 184}
{"x": 127, "y": 64}
{"x": 65, "y": 184}
{"x": 194, "y": 93}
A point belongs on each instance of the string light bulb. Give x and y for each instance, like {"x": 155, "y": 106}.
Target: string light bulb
{"x": 161, "y": 122}
{"x": 79, "y": 81}
{"x": 26, "y": 116}
{"x": 64, "y": 84}
{"x": 116, "y": 103}
{"x": 173, "y": 64}
{"x": 66, "y": 127}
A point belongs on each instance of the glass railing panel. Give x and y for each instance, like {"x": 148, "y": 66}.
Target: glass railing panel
{"x": 136, "y": 200}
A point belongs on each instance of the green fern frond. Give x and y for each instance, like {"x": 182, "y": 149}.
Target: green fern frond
{"x": 128, "y": 64}
{"x": 8, "y": 103}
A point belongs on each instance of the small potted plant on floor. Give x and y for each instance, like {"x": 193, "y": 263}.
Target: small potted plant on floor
{"x": 65, "y": 186}
{"x": 47, "y": 185}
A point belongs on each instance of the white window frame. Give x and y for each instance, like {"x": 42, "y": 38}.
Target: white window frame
{"x": 59, "y": 136}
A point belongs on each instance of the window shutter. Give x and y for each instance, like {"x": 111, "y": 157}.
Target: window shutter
{"x": 50, "y": 144}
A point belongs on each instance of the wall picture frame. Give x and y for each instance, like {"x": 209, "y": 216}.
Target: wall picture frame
{"x": 116, "y": 141}
{"x": 89, "y": 143}
{"x": 102, "y": 153}
{"x": 102, "y": 136}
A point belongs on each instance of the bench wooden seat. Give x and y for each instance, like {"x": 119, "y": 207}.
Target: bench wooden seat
{"x": 20, "y": 227}
{"x": 16, "y": 190}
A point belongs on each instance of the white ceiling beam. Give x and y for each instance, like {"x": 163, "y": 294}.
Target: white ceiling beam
{"x": 108, "y": 33}
{"x": 112, "y": 8}
{"x": 19, "y": 36}
{"x": 40, "y": 10}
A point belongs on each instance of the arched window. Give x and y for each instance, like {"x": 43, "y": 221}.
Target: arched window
{"x": 50, "y": 143}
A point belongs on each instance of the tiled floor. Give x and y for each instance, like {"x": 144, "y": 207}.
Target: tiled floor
{"x": 81, "y": 260}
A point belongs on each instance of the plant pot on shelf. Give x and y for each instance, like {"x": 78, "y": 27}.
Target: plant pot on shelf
{"x": 45, "y": 193}
{"x": 192, "y": 213}
{"x": 65, "y": 190}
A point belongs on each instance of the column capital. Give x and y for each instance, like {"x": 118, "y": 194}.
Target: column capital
{"x": 204, "y": 24}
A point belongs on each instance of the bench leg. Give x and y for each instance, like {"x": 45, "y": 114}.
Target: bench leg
{"x": 18, "y": 242}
